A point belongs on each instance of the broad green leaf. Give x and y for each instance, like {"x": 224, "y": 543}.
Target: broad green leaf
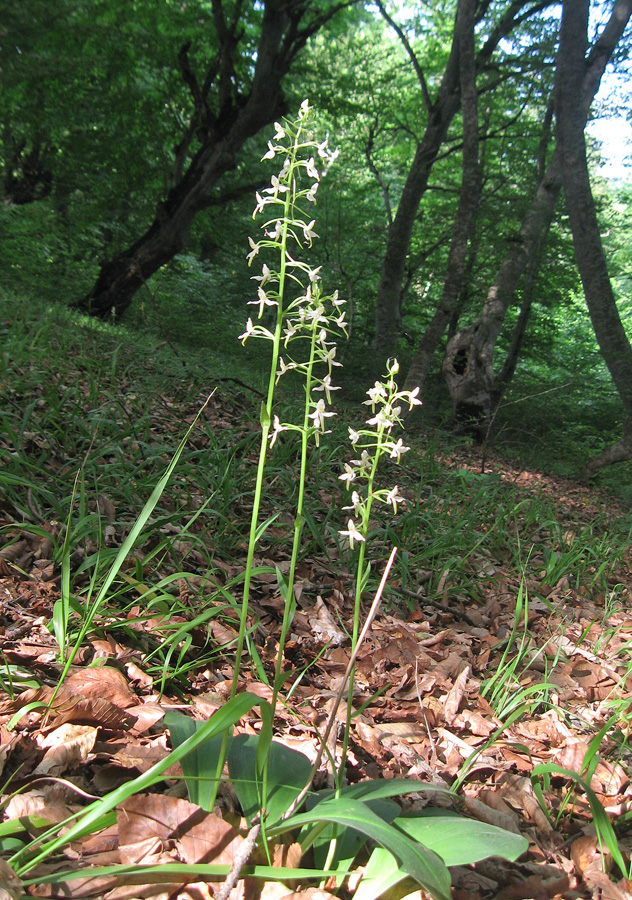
{"x": 413, "y": 859}
{"x": 223, "y": 719}
{"x": 458, "y": 841}
{"x": 288, "y": 772}
{"x": 382, "y": 872}
{"x": 376, "y": 795}
{"x": 349, "y": 842}
{"x": 200, "y": 765}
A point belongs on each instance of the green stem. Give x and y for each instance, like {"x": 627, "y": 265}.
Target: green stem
{"x": 265, "y": 426}
{"x": 357, "y": 601}
{"x": 288, "y": 612}
{"x": 266, "y": 419}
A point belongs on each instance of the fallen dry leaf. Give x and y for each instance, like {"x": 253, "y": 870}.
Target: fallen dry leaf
{"x": 10, "y": 884}
{"x": 103, "y": 682}
{"x": 587, "y": 853}
{"x": 608, "y": 889}
{"x": 193, "y": 835}
{"x": 66, "y": 747}
{"x": 479, "y": 810}
{"x": 50, "y": 802}
{"x": 455, "y": 695}
{"x": 534, "y": 888}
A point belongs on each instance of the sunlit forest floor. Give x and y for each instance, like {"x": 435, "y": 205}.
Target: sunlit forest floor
{"x": 503, "y": 642}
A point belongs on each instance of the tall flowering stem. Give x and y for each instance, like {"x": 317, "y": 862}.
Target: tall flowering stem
{"x": 303, "y": 316}
{"x": 359, "y": 475}
{"x": 289, "y": 291}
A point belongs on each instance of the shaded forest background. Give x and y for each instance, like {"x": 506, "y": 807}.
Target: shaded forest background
{"x": 130, "y": 153}
{"x": 171, "y": 538}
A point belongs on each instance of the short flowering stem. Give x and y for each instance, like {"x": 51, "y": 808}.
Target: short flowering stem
{"x": 359, "y": 584}
{"x": 384, "y": 400}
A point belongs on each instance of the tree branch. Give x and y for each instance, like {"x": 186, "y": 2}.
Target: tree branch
{"x": 425, "y": 93}
{"x": 378, "y": 177}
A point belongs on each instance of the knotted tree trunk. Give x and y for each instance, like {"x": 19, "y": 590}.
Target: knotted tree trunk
{"x": 468, "y": 366}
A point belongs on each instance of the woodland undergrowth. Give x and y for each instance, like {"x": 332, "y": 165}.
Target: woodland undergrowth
{"x": 209, "y": 668}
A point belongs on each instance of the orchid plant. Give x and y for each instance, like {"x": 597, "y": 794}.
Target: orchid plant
{"x": 301, "y": 322}
{"x": 305, "y": 323}
{"x": 374, "y": 443}
{"x": 271, "y": 780}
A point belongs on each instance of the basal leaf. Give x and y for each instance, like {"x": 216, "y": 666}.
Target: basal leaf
{"x": 413, "y": 859}
{"x": 288, "y": 772}
{"x": 457, "y": 840}
{"x": 200, "y": 765}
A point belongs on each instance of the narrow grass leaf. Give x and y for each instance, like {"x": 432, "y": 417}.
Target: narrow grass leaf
{"x": 602, "y": 823}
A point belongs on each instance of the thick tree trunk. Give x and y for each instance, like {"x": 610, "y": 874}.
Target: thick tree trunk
{"x": 121, "y": 277}
{"x": 469, "y": 197}
{"x": 244, "y": 109}
{"x": 591, "y": 260}
{"x": 468, "y": 366}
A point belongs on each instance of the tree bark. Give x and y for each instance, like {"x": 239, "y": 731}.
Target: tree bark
{"x": 502, "y": 380}
{"x": 440, "y": 115}
{"x": 469, "y": 196}
{"x": 468, "y": 366}
{"x": 29, "y": 176}
{"x": 242, "y": 112}
{"x": 591, "y": 260}
{"x": 387, "y": 312}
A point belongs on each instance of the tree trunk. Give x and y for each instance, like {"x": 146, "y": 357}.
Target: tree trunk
{"x": 28, "y": 176}
{"x": 469, "y": 197}
{"x": 121, "y": 277}
{"x": 440, "y": 115}
{"x": 387, "y": 312}
{"x": 468, "y": 366}
{"x": 243, "y": 111}
{"x": 591, "y": 260}
{"x": 501, "y": 381}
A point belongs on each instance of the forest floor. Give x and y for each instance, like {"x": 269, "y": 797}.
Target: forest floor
{"x": 482, "y": 663}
